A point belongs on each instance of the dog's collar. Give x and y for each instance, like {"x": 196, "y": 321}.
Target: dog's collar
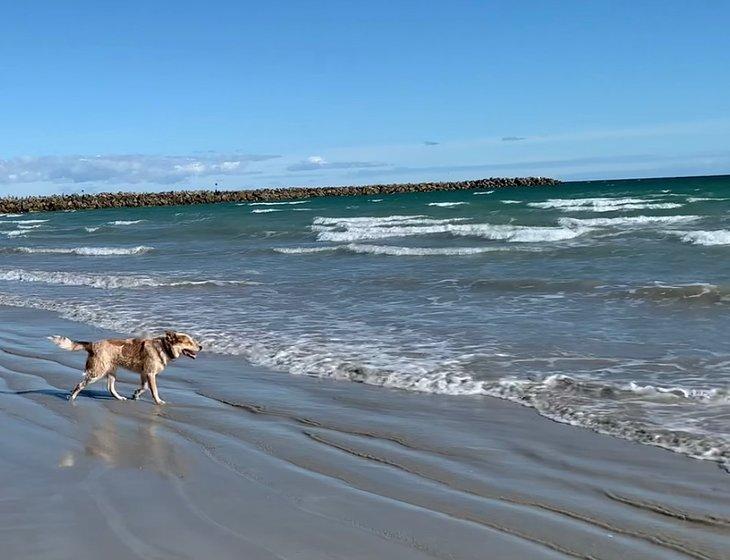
{"x": 167, "y": 349}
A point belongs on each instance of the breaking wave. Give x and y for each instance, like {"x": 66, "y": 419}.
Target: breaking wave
{"x": 105, "y": 281}
{"x": 603, "y": 204}
{"x": 632, "y": 221}
{"x": 708, "y": 238}
{"x": 447, "y": 204}
{"x": 82, "y": 251}
{"x": 264, "y": 210}
{"x": 699, "y": 293}
{"x": 275, "y": 203}
{"x": 371, "y": 228}
{"x": 125, "y": 222}
{"x": 23, "y": 221}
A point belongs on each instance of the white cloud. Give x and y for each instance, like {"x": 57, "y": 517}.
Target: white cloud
{"x": 313, "y": 163}
{"x": 124, "y": 169}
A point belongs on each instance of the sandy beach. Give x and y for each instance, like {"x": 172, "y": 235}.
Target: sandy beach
{"x": 297, "y": 467}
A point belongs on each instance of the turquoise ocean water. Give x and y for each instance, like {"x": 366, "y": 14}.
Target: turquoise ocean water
{"x": 603, "y": 304}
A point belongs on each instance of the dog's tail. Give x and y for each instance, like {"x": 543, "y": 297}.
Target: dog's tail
{"x": 68, "y": 344}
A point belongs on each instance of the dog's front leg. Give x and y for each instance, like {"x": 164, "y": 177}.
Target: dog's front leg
{"x": 153, "y": 388}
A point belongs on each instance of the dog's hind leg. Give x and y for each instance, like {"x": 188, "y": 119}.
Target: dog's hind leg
{"x": 143, "y": 384}
{"x": 87, "y": 380}
{"x": 111, "y": 380}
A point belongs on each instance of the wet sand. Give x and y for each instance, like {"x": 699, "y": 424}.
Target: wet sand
{"x": 249, "y": 463}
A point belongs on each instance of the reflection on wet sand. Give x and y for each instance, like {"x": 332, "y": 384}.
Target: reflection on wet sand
{"x": 148, "y": 449}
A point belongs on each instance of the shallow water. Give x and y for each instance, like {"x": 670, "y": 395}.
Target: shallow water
{"x": 602, "y": 304}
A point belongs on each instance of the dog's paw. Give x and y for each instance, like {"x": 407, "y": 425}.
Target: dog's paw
{"x": 161, "y": 402}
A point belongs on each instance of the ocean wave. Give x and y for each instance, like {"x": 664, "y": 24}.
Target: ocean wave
{"x": 10, "y": 215}
{"x": 274, "y": 203}
{"x": 419, "y": 251}
{"x": 23, "y": 221}
{"x": 91, "y": 229}
{"x": 125, "y": 222}
{"x": 589, "y": 403}
{"x": 375, "y": 220}
{"x": 592, "y": 404}
{"x": 264, "y": 210}
{"x": 376, "y": 200}
{"x": 603, "y": 204}
{"x": 447, "y": 204}
{"x": 363, "y": 229}
{"x": 106, "y": 281}
{"x": 31, "y": 226}
{"x": 483, "y": 192}
{"x": 708, "y": 238}
{"x": 705, "y": 199}
{"x": 305, "y": 250}
{"x": 511, "y": 201}
{"x": 699, "y": 293}
{"x": 630, "y": 221}
{"x": 14, "y": 233}
{"x": 82, "y": 251}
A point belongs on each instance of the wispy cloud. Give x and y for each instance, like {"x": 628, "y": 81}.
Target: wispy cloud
{"x": 513, "y": 138}
{"x": 128, "y": 169}
{"x": 313, "y": 163}
{"x": 430, "y": 143}
{"x": 582, "y": 166}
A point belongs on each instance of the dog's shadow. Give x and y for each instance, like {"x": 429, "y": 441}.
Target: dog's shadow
{"x": 63, "y": 395}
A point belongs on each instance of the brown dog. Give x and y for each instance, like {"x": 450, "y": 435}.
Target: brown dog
{"x": 146, "y": 356}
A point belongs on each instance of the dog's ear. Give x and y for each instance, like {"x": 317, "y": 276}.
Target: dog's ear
{"x": 171, "y": 336}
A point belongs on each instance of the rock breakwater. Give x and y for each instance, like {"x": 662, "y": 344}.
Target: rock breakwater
{"x": 11, "y": 205}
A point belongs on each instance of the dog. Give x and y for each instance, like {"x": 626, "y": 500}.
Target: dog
{"x": 145, "y": 356}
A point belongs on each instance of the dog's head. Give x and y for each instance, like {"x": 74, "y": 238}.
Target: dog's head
{"x": 183, "y": 344}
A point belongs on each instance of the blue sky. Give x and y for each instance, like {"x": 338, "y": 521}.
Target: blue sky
{"x": 156, "y": 95}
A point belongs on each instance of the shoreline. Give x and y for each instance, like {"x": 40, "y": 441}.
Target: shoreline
{"x": 53, "y": 203}
{"x": 260, "y": 464}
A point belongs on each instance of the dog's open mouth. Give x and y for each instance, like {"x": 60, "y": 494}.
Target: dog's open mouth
{"x": 190, "y": 353}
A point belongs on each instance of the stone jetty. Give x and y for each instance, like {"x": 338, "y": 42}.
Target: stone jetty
{"x": 11, "y": 205}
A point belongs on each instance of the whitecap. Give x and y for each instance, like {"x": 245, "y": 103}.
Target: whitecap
{"x": 276, "y": 203}
{"x": 82, "y": 251}
{"x": 708, "y": 238}
{"x": 419, "y": 251}
{"x": 378, "y": 228}
{"x": 105, "y": 281}
{"x": 626, "y": 221}
{"x": 447, "y": 204}
{"x": 305, "y": 250}
{"x": 264, "y": 210}
{"x": 603, "y": 204}
{"x": 125, "y": 222}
